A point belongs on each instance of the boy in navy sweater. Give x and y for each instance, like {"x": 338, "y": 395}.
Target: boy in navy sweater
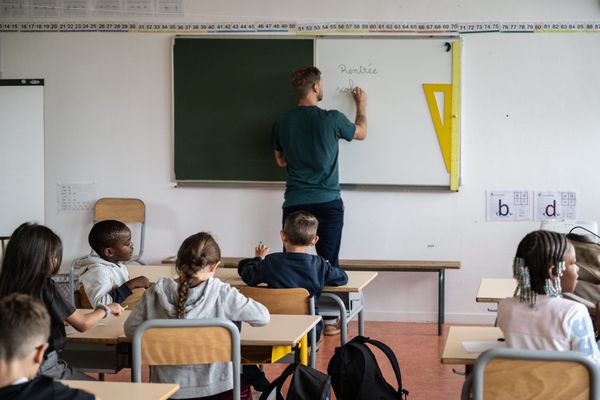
{"x": 294, "y": 268}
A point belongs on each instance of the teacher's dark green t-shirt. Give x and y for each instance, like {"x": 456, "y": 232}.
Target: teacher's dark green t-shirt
{"x": 308, "y": 137}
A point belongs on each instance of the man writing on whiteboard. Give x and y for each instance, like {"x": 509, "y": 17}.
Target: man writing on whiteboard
{"x": 305, "y": 140}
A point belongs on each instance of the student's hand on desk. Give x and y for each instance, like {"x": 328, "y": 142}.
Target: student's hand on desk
{"x": 261, "y": 251}
{"x": 115, "y": 309}
{"x": 139, "y": 282}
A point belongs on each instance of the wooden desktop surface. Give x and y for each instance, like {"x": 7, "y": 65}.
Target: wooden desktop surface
{"x": 282, "y": 330}
{"x": 357, "y": 280}
{"x": 152, "y": 272}
{"x": 455, "y": 352}
{"x": 492, "y": 290}
{"x": 125, "y": 390}
{"x": 107, "y": 331}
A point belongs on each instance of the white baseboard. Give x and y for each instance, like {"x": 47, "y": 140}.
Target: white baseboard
{"x": 450, "y": 318}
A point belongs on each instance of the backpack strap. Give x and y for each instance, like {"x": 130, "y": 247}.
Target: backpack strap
{"x": 278, "y": 383}
{"x": 391, "y": 357}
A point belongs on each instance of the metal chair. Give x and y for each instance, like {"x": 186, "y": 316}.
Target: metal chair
{"x": 535, "y": 374}
{"x": 187, "y": 342}
{"x": 296, "y": 301}
{"x": 128, "y": 211}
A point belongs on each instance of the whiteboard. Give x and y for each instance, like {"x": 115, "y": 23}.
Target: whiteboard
{"x": 402, "y": 146}
{"x": 21, "y": 153}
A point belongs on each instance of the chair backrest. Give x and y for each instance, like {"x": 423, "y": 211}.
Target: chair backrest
{"x": 534, "y": 374}
{"x": 124, "y": 210}
{"x": 295, "y": 301}
{"x": 84, "y": 300}
{"x": 130, "y": 302}
{"x": 187, "y": 342}
{"x": 128, "y": 211}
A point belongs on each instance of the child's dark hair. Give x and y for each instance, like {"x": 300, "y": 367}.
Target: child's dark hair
{"x": 303, "y": 80}
{"x": 300, "y": 227}
{"x": 33, "y": 253}
{"x": 24, "y": 324}
{"x": 539, "y": 250}
{"x": 195, "y": 253}
{"x": 104, "y": 234}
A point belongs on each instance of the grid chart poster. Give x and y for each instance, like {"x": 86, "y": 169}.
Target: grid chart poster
{"x": 555, "y": 205}
{"x": 76, "y": 197}
{"x": 508, "y": 205}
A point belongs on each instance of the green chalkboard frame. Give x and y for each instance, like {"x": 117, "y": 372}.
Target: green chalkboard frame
{"x": 227, "y": 91}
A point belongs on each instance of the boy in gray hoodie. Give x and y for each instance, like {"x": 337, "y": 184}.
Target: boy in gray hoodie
{"x": 104, "y": 277}
{"x": 196, "y": 293}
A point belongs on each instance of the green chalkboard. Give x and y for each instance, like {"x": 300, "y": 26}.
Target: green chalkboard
{"x": 226, "y": 94}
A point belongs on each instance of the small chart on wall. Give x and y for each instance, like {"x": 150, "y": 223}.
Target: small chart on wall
{"x": 404, "y": 147}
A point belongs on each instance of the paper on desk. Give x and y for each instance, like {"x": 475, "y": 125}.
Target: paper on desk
{"x": 479, "y": 346}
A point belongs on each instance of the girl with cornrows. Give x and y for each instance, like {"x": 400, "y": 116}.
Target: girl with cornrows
{"x": 537, "y": 317}
{"x": 196, "y": 293}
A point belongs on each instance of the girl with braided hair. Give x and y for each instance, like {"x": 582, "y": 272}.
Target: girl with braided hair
{"x": 196, "y": 293}
{"x": 537, "y": 317}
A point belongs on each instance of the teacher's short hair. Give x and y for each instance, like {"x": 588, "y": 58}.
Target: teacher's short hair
{"x": 303, "y": 80}
{"x": 300, "y": 227}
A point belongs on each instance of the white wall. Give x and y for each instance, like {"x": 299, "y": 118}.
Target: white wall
{"x": 529, "y": 120}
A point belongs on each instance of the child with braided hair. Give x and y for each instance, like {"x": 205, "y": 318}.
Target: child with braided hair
{"x": 537, "y": 317}
{"x": 197, "y": 294}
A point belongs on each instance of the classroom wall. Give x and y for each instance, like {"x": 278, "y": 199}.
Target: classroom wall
{"x": 529, "y": 121}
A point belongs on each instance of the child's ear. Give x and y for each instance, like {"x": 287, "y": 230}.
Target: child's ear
{"x": 213, "y": 267}
{"x": 108, "y": 252}
{"x": 552, "y": 271}
{"x": 283, "y": 236}
{"x": 38, "y": 355}
{"x": 314, "y": 240}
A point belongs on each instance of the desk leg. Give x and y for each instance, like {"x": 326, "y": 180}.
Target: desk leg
{"x": 343, "y": 316}
{"x": 441, "y": 305}
{"x": 361, "y": 317}
{"x": 304, "y": 350}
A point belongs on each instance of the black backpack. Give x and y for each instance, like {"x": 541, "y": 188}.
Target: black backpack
{"x": 355, "y": 374}
{"x": 307, "y": 384}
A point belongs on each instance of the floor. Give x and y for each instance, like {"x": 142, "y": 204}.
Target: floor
{"x": 417, "y": 347}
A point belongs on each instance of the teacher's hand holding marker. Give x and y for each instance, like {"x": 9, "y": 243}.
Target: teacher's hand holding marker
{"x": 360, "y": 98}
{"x": 261, "y": 251}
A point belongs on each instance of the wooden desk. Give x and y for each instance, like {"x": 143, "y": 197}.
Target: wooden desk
{"x": 492, "y": 290}
{"x": 347, "y": 301}
{"x": 347, "y": 304}
{"x": 125, "y": 390}
{"x": 439, "y": 267}
{"x": 107, "y": 331}
{"x": 106, "y": 348}
{"x": 357, "y": 280}
{"x": 455, "y": 352}
{"x": 152, "y": 272}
